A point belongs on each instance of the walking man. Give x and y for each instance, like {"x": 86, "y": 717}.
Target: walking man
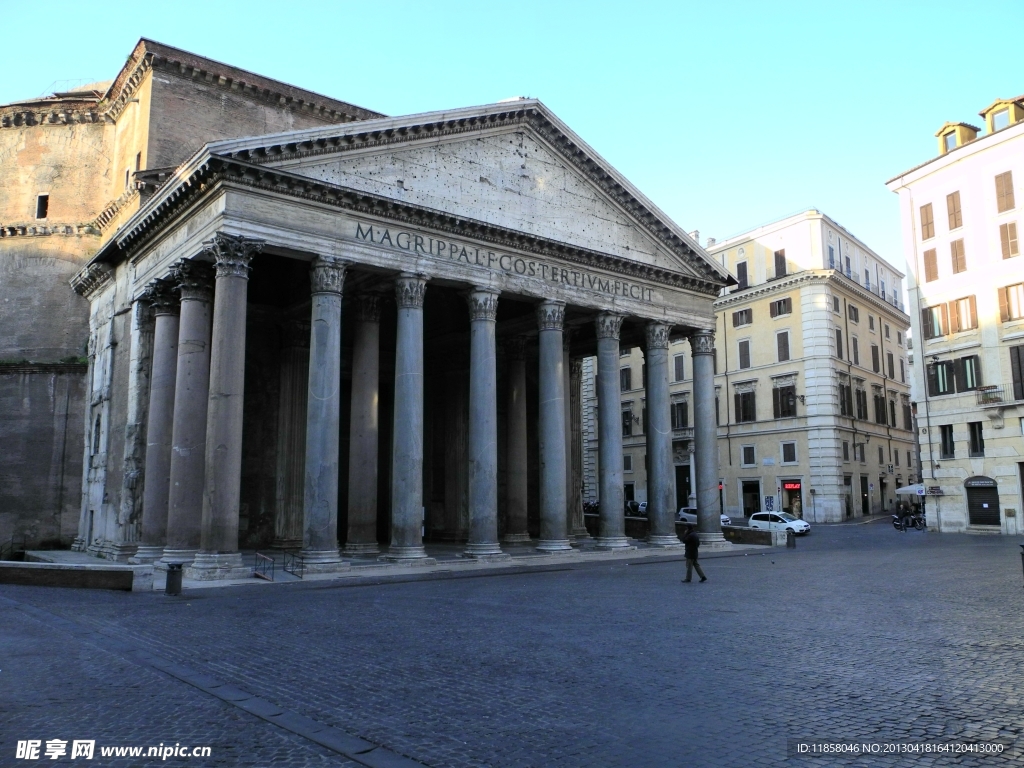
{"x": 692, "y": 542}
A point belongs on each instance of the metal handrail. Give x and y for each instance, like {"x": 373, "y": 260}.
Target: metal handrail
{"x": 294, "y": 563}
{"x": 263, "y": 567}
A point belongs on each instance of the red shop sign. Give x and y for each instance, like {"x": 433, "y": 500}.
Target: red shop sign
{"x": 791, "y": 486}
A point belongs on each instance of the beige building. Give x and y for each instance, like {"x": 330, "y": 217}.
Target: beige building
{"x": 966, "y": 287}
{"x": 812, "y": 383}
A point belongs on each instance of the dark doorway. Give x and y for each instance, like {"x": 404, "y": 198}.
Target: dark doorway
{"x": 751, "y": 497}
{"x": 848, "y": 495}
{"x": 982, "y": 501}
{"x": 865, "y": 497}
{"x": 682, "y": 486}
{"x": 881, "y": 492}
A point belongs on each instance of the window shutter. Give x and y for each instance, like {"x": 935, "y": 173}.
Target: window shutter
{"x": 780, "y": 263}
{"x": 926, "y": 323}
{"x": 1004, "y": 192}
{"x": 959, "y": 379}
{"x": 874, "y": 358}
{"x": 788, "y": 304}
{"x": 773, "y": 309}
{"x": 839, "y": 344}
{"x": 1004, "y": 310}
{"x": 945, "y": 320}
{"x": 976, "y": 362}
{"x": 783, "y": 347}
{"x": 777, "y": 402}
{"x": 1017, "y": 371}
{"x": 741, "y": 274}
{"x": 974, "y": 311}
{"x": 744, "y": 354}
{"x": 954, "y": 316}
{"x": 931, "y": 266}
{"x": 739, "y": 413}
{"x": 933, "y": 381}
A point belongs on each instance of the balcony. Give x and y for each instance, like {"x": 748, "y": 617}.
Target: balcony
{"x": 682, "y": 432}
{"x": 997, "y": 396}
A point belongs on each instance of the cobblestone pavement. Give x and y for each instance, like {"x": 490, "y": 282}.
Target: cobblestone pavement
{"x": 860, "y": 633}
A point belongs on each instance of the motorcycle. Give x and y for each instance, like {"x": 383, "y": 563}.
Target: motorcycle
{"x": 916, "y": 520}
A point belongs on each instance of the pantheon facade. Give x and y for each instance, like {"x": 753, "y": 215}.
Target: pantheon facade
{"x": 367, "y": 336}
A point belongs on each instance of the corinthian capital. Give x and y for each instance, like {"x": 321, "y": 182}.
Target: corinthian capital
{"x": 368, "y": 308}
{"x": 327, "y": 275}
{"x": 483, "y": 304}
{"x": 608, "y": 325}
{"x": 194, "y": 279}
{"x": 702, "y": 342}
{"x": 550, "y": 315}
{"x": 657, "y": 335}
{"x": 233, "y": 253}
{"x": 162, "y": 296}
{"x": 410, "y": 290}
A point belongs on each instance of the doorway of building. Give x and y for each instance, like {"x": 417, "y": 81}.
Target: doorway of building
{"x": 982, "y": 501}
{"x": 848, "y": 494}
{"x": 751, "y": 491}
{"x": 881, "y": 492}
{"x": 792, "y": 498}
{"x": 865, "y": 497}
{"x": 682, "y": 485}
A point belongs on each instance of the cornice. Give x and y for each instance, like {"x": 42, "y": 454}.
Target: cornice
{"x": 88, "y": 281}
{"x": 55, "y": 113}
{"x": 112, "y": 208}
{"x": 573, "y": 154}
{"x": 38, "y": 230}
{"x": 223, "y": 170}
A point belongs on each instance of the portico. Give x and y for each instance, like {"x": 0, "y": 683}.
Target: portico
{"x": 403, "y": 301}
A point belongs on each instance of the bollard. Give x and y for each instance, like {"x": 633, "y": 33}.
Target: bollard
{"x": 173, "y": 586}
{"x": 790, "y": 540}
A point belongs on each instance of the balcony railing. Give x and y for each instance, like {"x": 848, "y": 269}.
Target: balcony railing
{"x": 997, "y": 395}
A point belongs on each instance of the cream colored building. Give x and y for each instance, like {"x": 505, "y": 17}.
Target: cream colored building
{"x": 960, "y": 217}
{"x": 812, "y": 383}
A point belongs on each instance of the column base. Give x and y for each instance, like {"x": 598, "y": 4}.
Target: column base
{"x": 554, "y": 545}
{"x": 613, "y": 542}
{"x": 494, "y": 557}
{"x": 416, "y": 555}
{"x": 323, "y": 561}
{"x": 581, "y": 533}
{"x": 480, "y": 550}
{"x": 146, "y": 554}
{"x": 516, "y": 538}
{"x": 713, "y": 540}
{"x": 79, "y": 545}
{"x": 117, "y": 551}
{"x": 215, "y": 566}
{"x": 361, "y": 550}
{"x": 182, "y": 556}
{"x": 286, "y": 544}
{"x": 667, "y": 541}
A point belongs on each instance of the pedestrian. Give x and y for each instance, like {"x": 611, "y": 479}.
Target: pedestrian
{"x": 692, "y": 542}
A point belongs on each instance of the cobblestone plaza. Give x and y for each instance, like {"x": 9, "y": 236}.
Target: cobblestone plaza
{"x": 860, "y": 633}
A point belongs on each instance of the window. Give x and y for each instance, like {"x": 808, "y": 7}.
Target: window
{"x": 138, "y": 162}
{"x": 784, "y": 402}
{"x": 874, "y": 358}
{"x": 643, "y": 375}
{"x": 899, "y": 338}
{"x": 886, "y": 329}
{"x": 625, "y": 379}
{"x": 42, "y": 206}
{"x": 789, "y": 453}
{"x": 947, "y": 450}
{"x": 909, "y": 462}
{"x": 957, "y": 256}
{"x": 627, "y": 462}
{"x": 860, "y": 452}
{"x": 896, "y": 457}
{"x": 1000, "y": 119}
{"x": 934, "y": 321}
{"x": 867, "y": 279}
{"x": 680, "y": 416}
{"x": 881, "y": 456}
{"x": 1017, "y": 374}
{"x": 956, "y": 219}
{"x": 880, "y": 417}
{"x": 881, "y": 288}
{"x": 747, "y": 458}
{"x": 1008, "y": 239}
{"x": 903, "y": 371}
{"x": 1004, "y": 192}
{"x": 741, "y": 275}
{"x": 862, "y": 405}
{"x": 96, "y": 433}
{"x": 835, "y": 304}
{"x": 848, "y": 273}
{"x": 889, "y": 365}
{"x": 892, "y": 413}
{"x": 931, "y": 266}
{"x": 927, "y": 222}
{"x": 744, "y": 353}
{"x": 742, "y": 317}
{"x": 839, "y": 344}
{"x": 845, "y": 400}
{"x": 782, "y": 341}
{"x": 853, "y": 313}
{"x": 941, "y": 379}
{"x": 963, "y": 314}
{"x": 745, "y": 407}
{"x": 780, "y": 262}
{"x": 855, "y": 349}
{"x": 624, "y": 351}
{"x": 1011, "y": 302}
{"x": 717, "y": 418}
{"x": 627, "y": 422}
{"x": 781, "y": 307}
{"x": 949, "y": 141}
{"x": 871, "y": 322}
{"x": 679, "y": 364}
{"x": 908, "y": 420}
{"x": 846, "y": 451}
{"x": 967, "y": 373}
{"x": 127, "y": 177}
{"x": 977, "y": 447}
{"x": 831, "y": 258}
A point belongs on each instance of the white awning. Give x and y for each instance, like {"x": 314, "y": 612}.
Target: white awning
{"x": 911, "y": 490}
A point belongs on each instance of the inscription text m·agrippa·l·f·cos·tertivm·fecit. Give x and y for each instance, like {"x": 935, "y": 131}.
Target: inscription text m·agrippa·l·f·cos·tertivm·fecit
{"x": 517, "y": 265}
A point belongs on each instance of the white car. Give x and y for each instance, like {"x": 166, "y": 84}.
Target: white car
{"x": 689, "y": 515}
{"x": 779, "y": 521}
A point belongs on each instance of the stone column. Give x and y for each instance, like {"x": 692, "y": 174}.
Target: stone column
{"x": 191, "y": 395}
{"x": 160, "y": 422}
{"x": 516, "y": 446}
{"x": 291, "y": 435}
{"x": 705, "y": 439}
{"x": 551, "y": 428}
{"x": 661, "y": 481}
{"x": 407, "y": 445}
{"x": 482, "y": 441}
{"x": 566, "y": 388}
{"x": 691, "y": 500}
{"x": 323, "y": 419}
{"x": 575, "y": 449}
{"x": 218, "y": 556}
{"x": 612, "y": 532}
{"x": 363, "y": 434}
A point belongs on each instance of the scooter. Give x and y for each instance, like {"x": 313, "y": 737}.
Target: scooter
{"x": 916, "y": 520}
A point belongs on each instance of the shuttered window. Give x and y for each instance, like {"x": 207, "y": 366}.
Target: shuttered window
{"x": 853, "y": 313}
{"x": 625, "y": 379}
{"x": 781, "y": 307}
{"x": 958, "y": 257}
{"x": 927, "y": 222}
{"x": 744, "y": 347}
{"x": 680, "y": 416}
{"x": 934, "y": 321}
{"x": 967, "y": 373}
{"x": 956, "y": 219}
{"x": 783, "y": 344}
{"x": 890, "y": 364}
{"x": 1008, "y": 239}
{"x": 855, "y": 349}
{"x": 679, "y": 361}
{"x": 1017, "y": 371}
{"x": 845, "y": 400}
{"x": 1011, "y": 302}
{"x": 780, "y": 262}
{"x": 839, "y": 344}
{"x": 745, "y": 407}
{"x": 1004, "y": 192}
{"x": 743, "y": 317}
{"x": 741, "y": 274}
{"x": 875, "y": 365}
{"x": 784, "y": 402}
{"x": 964, "y": 314}
{"x": 862, "y": 405}
{"x": 941, "y": 379}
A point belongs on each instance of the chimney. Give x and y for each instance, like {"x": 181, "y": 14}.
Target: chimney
{"x": 711, "y": 241}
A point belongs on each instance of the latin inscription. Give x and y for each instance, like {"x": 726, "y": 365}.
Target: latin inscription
{"x": 516, "y": 265}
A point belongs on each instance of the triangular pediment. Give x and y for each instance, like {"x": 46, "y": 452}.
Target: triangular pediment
{"x": 518, "y": 169}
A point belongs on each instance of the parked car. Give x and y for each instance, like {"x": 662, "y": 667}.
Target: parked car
{"x": 689, "y": 515}
{"x": 642, "y": 511}
{"x": 779, "y": 521}
{"x": 632, "y": 508}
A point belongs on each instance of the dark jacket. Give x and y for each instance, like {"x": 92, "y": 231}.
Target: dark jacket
{"x": 692, "y": 542}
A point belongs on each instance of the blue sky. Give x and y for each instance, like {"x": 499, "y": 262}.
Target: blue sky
{"x": 727, "y": 115}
